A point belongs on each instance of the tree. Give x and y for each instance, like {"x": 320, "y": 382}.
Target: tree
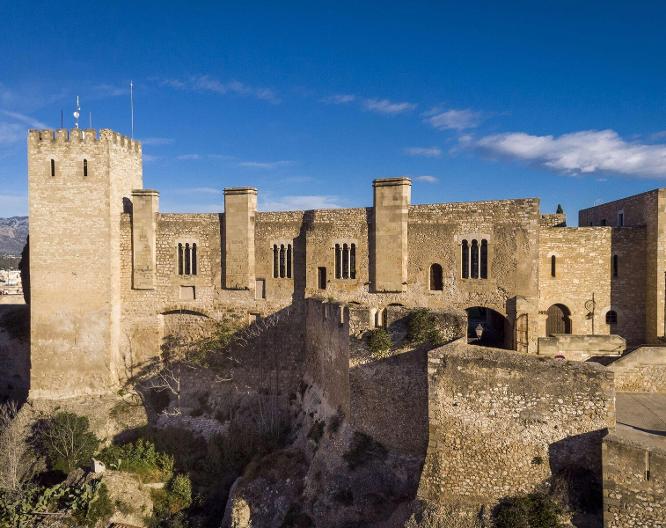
{"x": 66, "y": 441}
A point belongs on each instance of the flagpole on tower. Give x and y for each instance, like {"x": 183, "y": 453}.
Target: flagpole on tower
{"x": 132, "y": 107}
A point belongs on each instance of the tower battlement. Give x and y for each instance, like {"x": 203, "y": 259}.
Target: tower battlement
{"x": 85, "y": 136}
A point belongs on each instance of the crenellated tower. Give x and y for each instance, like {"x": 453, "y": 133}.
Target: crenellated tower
{"x": 79, "y": 184}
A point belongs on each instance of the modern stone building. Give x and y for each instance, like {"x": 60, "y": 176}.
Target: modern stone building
{"x": 111, "y": 276}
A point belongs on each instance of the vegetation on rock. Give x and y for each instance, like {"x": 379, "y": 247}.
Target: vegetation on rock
{"x": 422, "y": 328}
{"x": 379, "y": 343}
{"x": 535, "y": 510}
{"x": 140, "y": 457}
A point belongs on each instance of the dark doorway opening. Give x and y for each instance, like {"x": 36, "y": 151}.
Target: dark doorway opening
{"x": 321, "y": 278}
{"x": 486, "y": 327}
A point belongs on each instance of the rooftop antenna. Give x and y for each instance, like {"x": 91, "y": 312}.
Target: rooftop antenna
{"x": 90, "y": 116}
{"x": 77, "y": 113}
{"x": 132, "y": 107}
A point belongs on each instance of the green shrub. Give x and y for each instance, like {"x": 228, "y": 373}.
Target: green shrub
{"x": 170, "y": 501}
{"x": 140, "y": 457}
{"x": 536, "y": 510}
{"x": 66, "y": 441}
{"x": 362, "y": 450}
{"x": 422, "y": 328}
{"x": 86, "y": 504}
{"x": 379, "y": 342}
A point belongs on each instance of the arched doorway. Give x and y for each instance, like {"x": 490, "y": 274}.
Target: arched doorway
{"x": 559, "y": 320}
{"x": 493, "y": 324}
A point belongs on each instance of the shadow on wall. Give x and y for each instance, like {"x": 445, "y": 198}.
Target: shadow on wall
{"x": 576, "y": 468}
{"x": 14, "y": 352}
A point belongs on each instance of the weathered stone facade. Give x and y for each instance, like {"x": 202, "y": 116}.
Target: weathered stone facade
{"x": 109, "y": 270}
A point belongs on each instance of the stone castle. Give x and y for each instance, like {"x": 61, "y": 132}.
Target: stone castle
{"x": 109, "y": 271}
{"x": 111, "y": 277}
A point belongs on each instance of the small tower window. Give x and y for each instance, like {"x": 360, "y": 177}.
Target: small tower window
{"x": 465, "y": 259}
{"x": 611, "y": 317}
{"x": 52, "y": 167}
{"x": 620, "y": 219}
{"x": 553, "y": 266}
{"x": 180, "y": 259}
{"x": 85, "y": 167}
{"x": 436, "y": 282}
{"x": 616, "y": 267}
{"x": 276, "y": 261}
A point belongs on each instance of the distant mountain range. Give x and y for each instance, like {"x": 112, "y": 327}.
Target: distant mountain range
{"x": 13, "y": 233}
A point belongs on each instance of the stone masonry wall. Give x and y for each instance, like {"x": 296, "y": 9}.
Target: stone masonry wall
{"x": 642, "y": 370}
{"x": 642, "y": 210}
{"x": 634, "y": 467}
{"x": 501, "y": 422}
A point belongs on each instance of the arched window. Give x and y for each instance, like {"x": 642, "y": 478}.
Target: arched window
{"x": 436, "y": 282}
{"x": 611, "y": 317}
{"x": 187, "y": 259}
{"x": 345, "y": 261}
{"x": 276, "y": 261}
{"x": 52, "y": 167}
{"x": 484, "y": 259}
{"x": 553, "y": 264}
{"x": 338, "y": 261}
{"x": 616, "y": 267}
{"x": 474, "y": 260}
{"x": 282, "y": 266}
{"x": 352, "y": 261}
{"x": 85, "y": 168}
{"x": 282, "y": 261}
{"x": 464, "y": 257}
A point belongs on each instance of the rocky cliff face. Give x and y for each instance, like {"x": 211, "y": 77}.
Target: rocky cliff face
{"x": 13, "y": 233}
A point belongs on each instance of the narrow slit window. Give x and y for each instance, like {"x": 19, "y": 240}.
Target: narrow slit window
{"x": 345, "y": 261}
{"x": 465, "y": 259}
{"x": 276, "y": 262}
{"x": 52, "y": 168}
{"x": 553, "y": 266}
{"x": 187, "y": 259}
{"x": 616, "y": 266}
{"x": 289, "y": 261}
{"x": 194, "y": 259}
{"x": 436, "y": 282}
{"x": 282, "y": 266}
{"x": 352, "y": 261}
{"x": 338, "y": 262}
{"x": 180, "y": 259}
{"x": 475, "y": 259}
{"x": 85, "y": 168}
{"x": 484, "y": 259}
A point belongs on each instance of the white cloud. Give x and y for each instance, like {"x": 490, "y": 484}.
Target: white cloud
{"x": 426, "y": 179}
{"x": 25, "y": 119}
{"x": 157, "y": 141}
{"x": 586, "y": 151}
{"x": 189, "y": 157}
{"x": 339, "y": 99}
{"x": 205, "y": 83}
{"x": 264, "y": 165}
{"x": 150, "y": 157}
{"x": 299, "y": 202}
{"x": 452, "y": 119}
{"x": 424, "y": 152}
{"x": 385, "y": 106}
{"x": 110, "y": 90}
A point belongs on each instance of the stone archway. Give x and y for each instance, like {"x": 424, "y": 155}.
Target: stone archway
{"x": 558, "y": 320}
{"x": 495, "y": 327}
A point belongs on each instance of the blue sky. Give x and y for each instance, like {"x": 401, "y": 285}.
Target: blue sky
{"x": 310, "y": 101}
